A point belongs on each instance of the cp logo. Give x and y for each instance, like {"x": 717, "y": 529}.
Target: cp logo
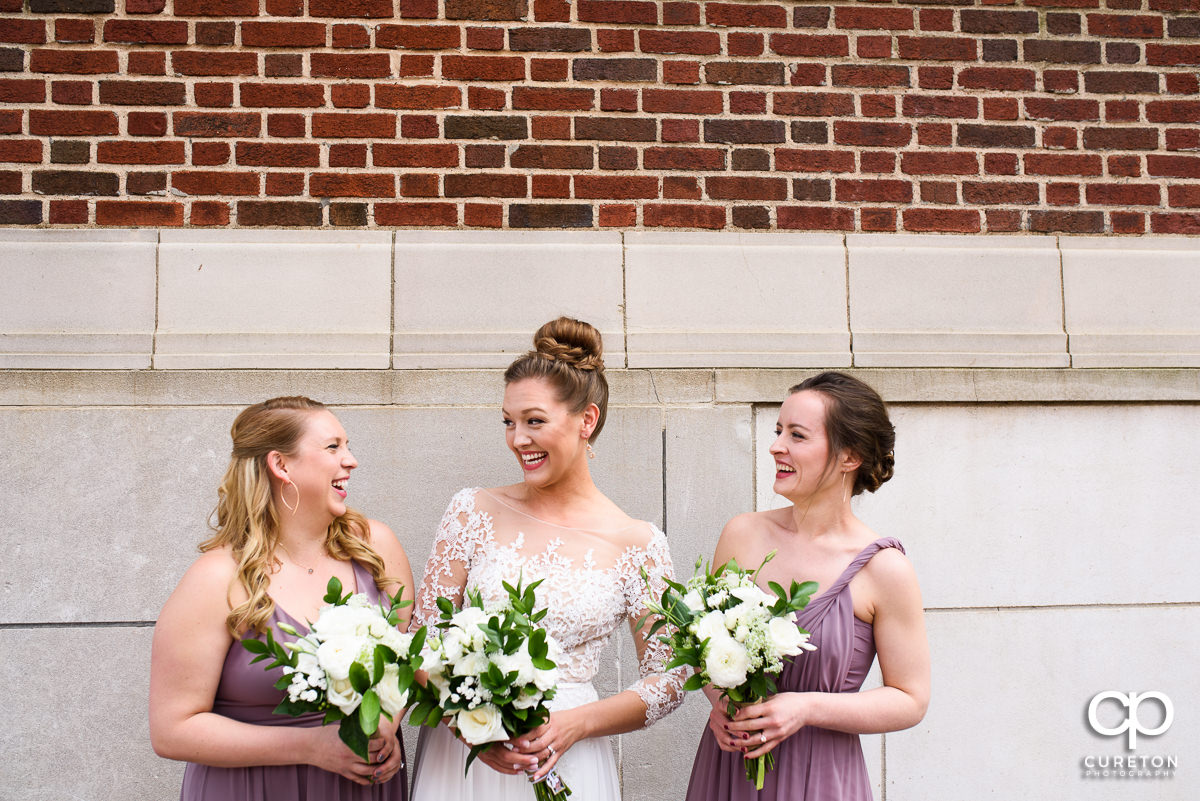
{"x": 1132, "y": 723}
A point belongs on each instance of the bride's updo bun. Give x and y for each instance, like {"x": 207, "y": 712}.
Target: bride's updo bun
{"x": 568, "y": 354}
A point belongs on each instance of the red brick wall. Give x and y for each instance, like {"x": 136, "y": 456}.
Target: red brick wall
{"x": 946, "y": 115}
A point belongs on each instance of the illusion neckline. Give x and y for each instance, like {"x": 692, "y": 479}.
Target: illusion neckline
{"x": 601, "y": 531}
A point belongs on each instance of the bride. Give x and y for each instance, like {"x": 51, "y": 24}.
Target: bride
{"x": 557, "y": 526}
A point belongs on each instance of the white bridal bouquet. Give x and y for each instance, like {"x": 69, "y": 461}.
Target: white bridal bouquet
{"x": 354, "y": 664}
{"x": 735, "y": 635}
{"x": 491, "y": 672}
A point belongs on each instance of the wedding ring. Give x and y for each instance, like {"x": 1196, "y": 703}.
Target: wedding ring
{"x": 762, "y": 737}
{"x": 550, "y": 748}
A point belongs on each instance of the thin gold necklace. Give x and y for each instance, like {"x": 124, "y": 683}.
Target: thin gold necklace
{"x": 293, "y": 559}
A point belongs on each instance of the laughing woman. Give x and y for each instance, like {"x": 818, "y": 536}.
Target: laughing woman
{"x": 283, "y": 529}
{"x": 833, "y": 440}
{"x": 554, "y": 526}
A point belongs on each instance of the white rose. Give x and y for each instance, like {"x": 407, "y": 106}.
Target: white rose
{"x": 694, "y": 601}
{"x": 726, "y": 662}
{"x": 391, "y": 700}
{"x": 482, "y": 724}
{"x": 715, "y": 600}
{"x": 784, "y": 636}
{"x": 341, "y": 693}
{"x": 469, "y": 618}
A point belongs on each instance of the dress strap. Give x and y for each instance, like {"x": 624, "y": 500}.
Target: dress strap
{"x": 861, "y": 560}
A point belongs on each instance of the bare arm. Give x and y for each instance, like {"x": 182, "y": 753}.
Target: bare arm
{"x": 396, "y": 566}
{"x": 903, "y": 660}
{"x": 187, "y": 656}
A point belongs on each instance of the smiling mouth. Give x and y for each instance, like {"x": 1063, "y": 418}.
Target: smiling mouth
{"x": 533, "y": 459}
{"x": 340, "y": 486}
{"x": 783, "y": 469}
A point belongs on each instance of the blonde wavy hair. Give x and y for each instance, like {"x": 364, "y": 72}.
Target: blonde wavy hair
{"x": 248, "y": 521}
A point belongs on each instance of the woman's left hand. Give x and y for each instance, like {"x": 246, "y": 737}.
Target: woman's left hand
{"x": 384, "y": 752}
{"x": 551, "y": 740}
{"x": 765, "y": 725}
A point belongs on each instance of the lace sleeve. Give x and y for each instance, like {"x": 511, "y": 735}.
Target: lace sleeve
{"x": 661, "y": 690}
{"x": 450, "y": 561}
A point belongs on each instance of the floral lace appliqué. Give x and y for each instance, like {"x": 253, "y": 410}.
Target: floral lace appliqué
{"x": 586, "y": 603}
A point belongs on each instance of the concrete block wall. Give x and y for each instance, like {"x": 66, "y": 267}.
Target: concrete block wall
{"x": 1046, "y": 500}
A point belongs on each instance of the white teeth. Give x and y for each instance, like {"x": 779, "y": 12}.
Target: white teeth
{"x": 340, "y": 483}
{"x": 532, "y": 457}
{"x": 783, "y": 468}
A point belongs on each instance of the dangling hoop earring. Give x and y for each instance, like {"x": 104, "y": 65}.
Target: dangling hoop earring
{"x": 591, "y": 453}
{"x": 283, "y": 498}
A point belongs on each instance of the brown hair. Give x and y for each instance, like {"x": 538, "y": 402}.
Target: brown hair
{"x": 246, "y": 517}
{"x": 856, "y": 419}
{"x": 567, "y": 353}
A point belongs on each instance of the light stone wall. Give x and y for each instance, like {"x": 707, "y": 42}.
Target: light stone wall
{"x": 1049, "y": 508}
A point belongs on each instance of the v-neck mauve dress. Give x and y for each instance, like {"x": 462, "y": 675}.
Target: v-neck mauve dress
{"x": 247, "y": 693}
{"x": 813, "y": 764}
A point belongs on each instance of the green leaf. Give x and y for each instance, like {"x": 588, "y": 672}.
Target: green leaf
{"x": 359, "y": 678}
{"x": 379, "y": 659}
{"x": 255, "y": 646}
{"x": 694, "y": 682}
{"x": 333, "y": 590}
{"x": 446, "y": 607}
{"x": 418, "y": 641}
{"x": 353, "y": 736}
{"x": 368, "y": 712}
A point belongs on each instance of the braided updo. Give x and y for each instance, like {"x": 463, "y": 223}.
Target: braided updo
{"x": 856, "y": 419}
{"x": 567, "y": 353}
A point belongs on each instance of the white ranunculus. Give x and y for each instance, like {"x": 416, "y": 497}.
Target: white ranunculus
{"x": 471, "y": 664}
{"x": 545, "y": 679}
{"x": 527, "y": 700}
{"x": 751, "y": 594}
{"x": 726, "y": 662}
{"x": 453, "y": 645}
{"x": 338, "y": 653}
{"x": 469, "y": 618}
{"x": 711, "y": 626}
{"x": 482, "y": 724}
{"x": 520, "y": 661}
{"x": 341, "y": 693}
{"x": 391, "y": 699}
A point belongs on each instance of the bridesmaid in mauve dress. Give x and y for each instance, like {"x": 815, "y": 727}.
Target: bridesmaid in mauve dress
{"x": 833, "y": 440}
{"x": 282, "y": 530}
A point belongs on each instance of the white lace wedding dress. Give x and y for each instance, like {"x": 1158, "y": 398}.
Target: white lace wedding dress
{"x": 592, "y": 583}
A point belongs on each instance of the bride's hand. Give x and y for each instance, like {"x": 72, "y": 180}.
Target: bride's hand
{"x": 501, "y": 758}
{"x": 548, "y": 742}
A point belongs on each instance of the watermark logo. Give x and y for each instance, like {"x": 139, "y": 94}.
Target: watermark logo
{"x": 1128, "y": 711}
{"x": 1132, "y": 722}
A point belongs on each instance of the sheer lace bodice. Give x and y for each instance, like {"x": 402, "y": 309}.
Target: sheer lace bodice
{"x": 591, "y": 582}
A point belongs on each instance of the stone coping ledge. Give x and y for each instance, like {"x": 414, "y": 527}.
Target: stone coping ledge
{"x": 629, "y": 387}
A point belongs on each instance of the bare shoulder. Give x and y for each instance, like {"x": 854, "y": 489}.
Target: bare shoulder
{"x": 742, "y": 536}
{"x": 892, "y": 575}
{"x": 386, "y": 543}
{"x": 212, "y": 569}
{"x": 208, "y": 588}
